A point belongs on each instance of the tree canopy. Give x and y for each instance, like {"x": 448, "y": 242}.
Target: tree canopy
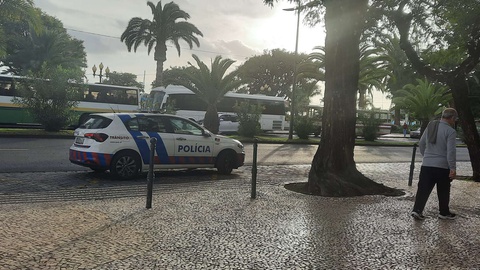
{"x": 16, "y": 12}
{"x": 51, "y": 101}
{"x": 122, "y": 78}
{"x": 424, "y": 99}
{"x": 29, "y": 50}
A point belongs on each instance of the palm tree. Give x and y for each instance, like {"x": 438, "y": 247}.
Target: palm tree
{"x": 373, "y": 73}
{"x": 423, "y": 99}
{"x": 401, "y": 71}
{"x": 16, "y": 11}
{"x": 314, "y": 68}
{"x": 164, "y": 27}
{"x": 210, "y": 85}
{"x": 373, "y": 70}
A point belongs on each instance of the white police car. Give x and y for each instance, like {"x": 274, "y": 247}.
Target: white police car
{"x": 120, "y": 142}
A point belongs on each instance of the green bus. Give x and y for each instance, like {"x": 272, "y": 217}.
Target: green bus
{"x": 96, "y": 98}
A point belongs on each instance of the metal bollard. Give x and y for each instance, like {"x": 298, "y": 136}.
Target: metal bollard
{"x": 412, "y": 165}
{"x": 151, "y": 174}
{"x": 254, "y": 170}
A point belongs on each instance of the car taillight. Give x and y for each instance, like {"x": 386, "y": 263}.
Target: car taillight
{"x": 99, "y": 137}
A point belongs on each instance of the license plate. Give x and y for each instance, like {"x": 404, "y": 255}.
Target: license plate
{"x": 79, "y": 140}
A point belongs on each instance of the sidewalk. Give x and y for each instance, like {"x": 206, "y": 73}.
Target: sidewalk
{"x": 215, "y": 225}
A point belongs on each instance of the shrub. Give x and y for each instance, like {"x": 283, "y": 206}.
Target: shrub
{"x": 370, "y": 133}
{"x": 248, "y": 118}
{"x": 370, "y": 125}
{"x": 303, "y": 127}
{"x": 397, "y": 129}
{"x": 49, "y": 96}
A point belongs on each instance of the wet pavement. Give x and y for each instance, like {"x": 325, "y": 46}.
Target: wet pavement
{"x": 202, "y": 220}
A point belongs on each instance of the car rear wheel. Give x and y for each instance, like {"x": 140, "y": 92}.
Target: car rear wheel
{"x": 225, "y": 162}
{"x": 125, "y": 165}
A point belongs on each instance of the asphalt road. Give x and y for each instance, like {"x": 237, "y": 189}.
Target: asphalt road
{"x": 51, "y": 155}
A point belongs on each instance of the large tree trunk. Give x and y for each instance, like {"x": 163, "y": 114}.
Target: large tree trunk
{"x": 211, "y": 121}
{"x": 159, "y": 74}
{"x": 160, "y": 57}
{"x": 397, "y": 117}
{"x": 362, "y": 100}
{"x": 459, "y": 88}
{"x": 333, "y": 171}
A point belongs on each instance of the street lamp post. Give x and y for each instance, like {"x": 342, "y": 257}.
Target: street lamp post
{"x": 294, "y": 86}
{"x": 100, "y": 74}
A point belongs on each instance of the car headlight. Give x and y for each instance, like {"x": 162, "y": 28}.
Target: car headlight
{"x": 239, "y": 144}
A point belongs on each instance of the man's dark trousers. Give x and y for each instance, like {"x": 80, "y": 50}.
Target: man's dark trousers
{"x": 429, "y": 176}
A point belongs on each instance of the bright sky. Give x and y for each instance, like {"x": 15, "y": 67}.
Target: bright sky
{"x": 233, "y": 29}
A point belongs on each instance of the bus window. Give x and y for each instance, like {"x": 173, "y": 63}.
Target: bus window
{"x": 89, "y": 96}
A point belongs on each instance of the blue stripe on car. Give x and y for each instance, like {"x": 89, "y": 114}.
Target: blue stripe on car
{"x": 142, "y": 146}
{"x": 141, "y": 143}
{"x": 101, "y": 159}
{"x": 160, "y": 149}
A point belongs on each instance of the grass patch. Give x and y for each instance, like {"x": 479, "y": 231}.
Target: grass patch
{"x": 34, "y": 132}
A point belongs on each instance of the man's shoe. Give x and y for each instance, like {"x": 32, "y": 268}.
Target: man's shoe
{"x": 447, "y": 216}
{"x": 417, "y": 216}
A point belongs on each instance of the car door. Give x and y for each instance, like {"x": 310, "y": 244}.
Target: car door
{"x": 191, "y": 145}
{"x": 147, "y": 127}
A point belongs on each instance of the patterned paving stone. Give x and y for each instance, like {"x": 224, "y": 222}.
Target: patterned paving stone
{"x": 211, "y": 223}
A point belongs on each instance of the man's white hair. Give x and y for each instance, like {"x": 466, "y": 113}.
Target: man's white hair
{"x": 449, "y": 113}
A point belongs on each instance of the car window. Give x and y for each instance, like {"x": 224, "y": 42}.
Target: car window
{"x": 151, "y": 124}
{"x": 96, "y": 122}
{"x": 132, "y": 124}
{"x": 228, "y": 117}
{"x": 181, "y": 126}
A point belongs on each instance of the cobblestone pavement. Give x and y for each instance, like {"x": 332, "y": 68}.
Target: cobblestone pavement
{"x": 201, "y": 220}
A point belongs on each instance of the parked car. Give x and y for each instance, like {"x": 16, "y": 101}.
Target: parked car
{"x": 119, "y": 142}
{"x": 228, "y": 123}
{"x": 415, "y": 133}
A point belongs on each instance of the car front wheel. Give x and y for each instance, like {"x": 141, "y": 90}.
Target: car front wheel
{"x": 125, "y": 165}
{"x": 225, "y": 162}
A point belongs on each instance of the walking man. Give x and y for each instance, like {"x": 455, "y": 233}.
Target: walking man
{"x": 437, "y": 146}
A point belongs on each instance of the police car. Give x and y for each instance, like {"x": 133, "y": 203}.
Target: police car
{"x": 120, "y": 142}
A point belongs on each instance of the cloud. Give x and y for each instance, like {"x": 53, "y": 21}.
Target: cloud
{"x": 233, "y": 29}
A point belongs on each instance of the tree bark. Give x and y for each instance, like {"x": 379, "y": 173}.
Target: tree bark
{"x": 160, "y": 58}
{"x": 397, "y": 117}
{"x": 211, "y": 121}
{"x": 333, "y": 171}
{"x": 459, "y": 88}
